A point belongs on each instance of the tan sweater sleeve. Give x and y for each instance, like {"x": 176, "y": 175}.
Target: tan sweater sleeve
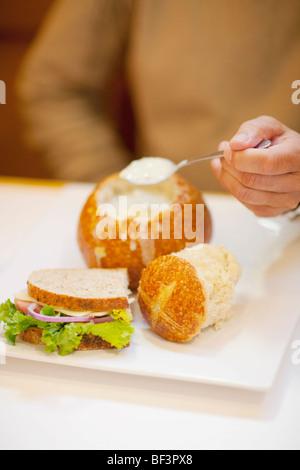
{"x": 62, "y": 83}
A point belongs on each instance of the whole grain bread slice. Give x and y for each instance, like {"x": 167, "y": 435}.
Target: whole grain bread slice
{"x": 95, "y": 290}
{"x": 89, "y": 342}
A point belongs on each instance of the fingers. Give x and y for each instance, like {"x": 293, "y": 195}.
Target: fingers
{"x": 285, "y": 183}
{"x": 262, "y": 202}
{"x": 252, "y": 132}
{"x": 266, "y": 181}
{"x": 281, "y": 158}
{"x": 265, "y": 211}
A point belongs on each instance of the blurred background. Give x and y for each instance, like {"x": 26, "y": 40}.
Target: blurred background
{"x": 94, "y": 65}
{"x": 19, "y": 22}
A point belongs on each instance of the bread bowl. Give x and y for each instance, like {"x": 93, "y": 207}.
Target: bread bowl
{"x": 123, "y": 249}
{"x": 183, "y": 293}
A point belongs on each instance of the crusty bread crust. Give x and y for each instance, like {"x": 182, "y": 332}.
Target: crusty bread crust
{"x": 119, "y": 253}
{"x": 75, "y": 303}
{"x": 89, "y": 342}
{"x": 172, "y": 298}
{"x": 32, "y": 335}
{"x": 40, "y": 286}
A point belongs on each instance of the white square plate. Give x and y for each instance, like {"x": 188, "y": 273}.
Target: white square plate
{"x": 246, "y": 353}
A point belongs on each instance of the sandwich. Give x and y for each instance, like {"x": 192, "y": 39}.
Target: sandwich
{"x": 71, "y": 309}
{"x": 183, "y": 293}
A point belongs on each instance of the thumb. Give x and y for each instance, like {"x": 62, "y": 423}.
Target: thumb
{"x": 222, "y": 145}
{"x": 251, "y": 133}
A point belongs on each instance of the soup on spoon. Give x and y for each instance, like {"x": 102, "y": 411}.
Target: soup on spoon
{"x": 148, "y": 171}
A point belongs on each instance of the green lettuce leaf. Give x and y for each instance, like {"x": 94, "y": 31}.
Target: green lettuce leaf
{"x": 123, "y": 315}
{"x": 16, "y": 322}
{"x": 65, "y": 337}
{"x": 49, "y": 311}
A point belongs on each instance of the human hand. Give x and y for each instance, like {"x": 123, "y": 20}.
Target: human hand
{"x": 266, "y": 181}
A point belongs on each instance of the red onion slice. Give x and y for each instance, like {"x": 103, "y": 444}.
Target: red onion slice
{"x": 23, "y": 307}
{"x": 32, "y": 307}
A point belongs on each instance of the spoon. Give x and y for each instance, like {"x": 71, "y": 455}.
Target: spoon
{"x": 154, "y": 170}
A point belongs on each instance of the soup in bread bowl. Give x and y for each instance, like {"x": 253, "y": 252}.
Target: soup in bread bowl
{"x": 128, "y": 226}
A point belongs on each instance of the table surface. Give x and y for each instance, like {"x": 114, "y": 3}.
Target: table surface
{"x": 45, "y": 406}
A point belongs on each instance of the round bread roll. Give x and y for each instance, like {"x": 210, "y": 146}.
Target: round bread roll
{"x": 183, "y": 293}
{"x": 112, "y": 233}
